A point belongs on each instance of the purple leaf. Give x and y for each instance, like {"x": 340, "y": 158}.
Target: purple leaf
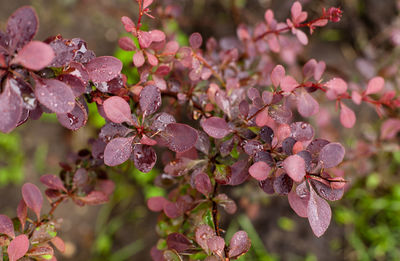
{"x": 10, "y": 108}
{"x": 228, "y": 204}
{"x": 298, "y": 204}
{"x": 216, "y": 245}
{"x": 267, "y": 185}
{"x": 171, "y": 210}
{"x": 22, "y": 212}
{"x": 259, "y": 170}
{"x": 6, "y": 226}
{"x": 195, "y": 40}
{"x": 319, "y": 213}
{"x": 53, "y": 182}
{"x": 104, "y": 68}
{"x": 288, "y": 83}
{"x": 22, "y": 27}
{"x": 126, "y": 43}
{"x": 239, "y": 173}
{"x": 283, "y": 184}
{"x": 75, "y": 119}
{"x": 33, "y": 198}
{"x": 266, "y": 134}
{"x": 95, "y": 198}
{"x": 118, "y": 151}
{"x": 294, "y": 166}
{"x": 76, "y": 83}
{"x": 35, "y": 55}
{"x": 55, "y": 95}
{"x": 239, "y": 244}
{"x": 301, "y": 131}
{"x": 156, "y": 204}
{"x": 180, "y": 137}
{"x": 306, "y": 104}
{"x": 202, "y": 183}
{"x": 117, "y": 110}
{"x": 178, "y": 242}
{"x": 203, "y": 233}
{"x": 18, "y": 247}
{"x": 161, "y": 120}
{"x": 215, "y": 127}
{"x": 144, "y": 157}
{"x": 327, "y": 192}
{"x": 150, "y": 99}
{"x": 277, "y": 74}
{"x": 331, "y": 155}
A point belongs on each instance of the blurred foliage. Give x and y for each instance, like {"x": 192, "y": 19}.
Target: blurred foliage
{"x": 370, "y": 212}
{"x": 11, "y": 159}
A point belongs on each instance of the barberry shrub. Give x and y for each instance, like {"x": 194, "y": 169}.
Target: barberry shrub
{"x": 228, "y": 110}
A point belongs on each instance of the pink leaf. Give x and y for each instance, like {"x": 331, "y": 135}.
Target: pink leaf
{"x": 390, "y": 128}
{"x": 117, "y": 110}
{"x": 202, "y": 234}
{"x": 156, "y": 204}
{"x": 18, "y": 247}
{"x": 288, "y": 83}
{"x": 195, "y": 40}
{"x": 215, "y": 127}
{"x": 216, "y": 245}
{"x": 33, "y": 198}
{"x": 319, "y": 213}
{"x": 118, "y": 151}
{"x": 306, "y": 104}
{"x": 309, "y": 68}
{"x": 298, "y": 204}
{"x": 338, "y": 85}
{"x": 347, "y": 116}
{"x": 58, "y": 243}
{"x": 375, "y": 85}
{"x": 356, "y": 97}
{"x": 147, "y": 3}
{"x": 273, "y": 43}
{"x": 157, "y": 36}
{"x": 35, "y": 55}
{"x": 95, "y": 198}
{"x": 277, "y": 74}
{"x": 52, "y": 182}
{"x": 104, "y": 68}
{"x": 259, "y": 170}
{"x": 22, "y": 212}
{"x": 296, "y": 9}
{"x": 128, "y": 24}
{"x": 302, "y": 37}
{"x": 295, "y": 166}
{"x": 6, "y": 226}
{"x": 319, "y": 70}
{"x": 138, "y": 59}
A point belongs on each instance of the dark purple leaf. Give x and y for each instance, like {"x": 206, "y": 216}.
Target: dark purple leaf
{"x": 244, "y": 108}
{"x": 306, "y": 155}
{"x": 150, "y": 99}
{"x": 117, "y": 110}
{"x": 260, "y": 170}
{"x": 112, "y": 130}
{"x": 299, "y": 204}
{"x": 266, "y": 134}
{"x": 203, "y": 184}
{"x": 75, "y": 119}
{"x": 55, "y": 95}
{"x": 267, "y": 185}
{"x": 118, "y": 151}
{"x": 104, "y": 68}
{"x": 294, "y": 166}
{"x": 33, "y": 198}
{"x": 144, "y": 157}
{"x": 326, "y": 191}
{"x": 283, "y": 184}
{"x": 239, "y": 244}
{"x": 319, "y": 213}
{"x": 280, "y": 113}
{"x": 22, "y": 212}
{"x": 264, "y": 156}
{"x": 18, "y": 247}
{"x": 64, "y": 51}
{"x": 78, "y": 70}
{"x": 203, "y": 142}
{"x": 6, "y": 226}
{"x": 287, "y": 145}
{"x": 180, "y": 137}
{"x": 331, "y": 155}
{"x": 178, "y": 167}
{"x": 226, "y": 147}
{"x": 239, "y": 173}
{"x": 10, "y": 108}
{"x": 203, "y": 233}
{"x": 178, "y": 242}
{"x": 301, "y": 131}
{"x": 161, "y": 120}
{"x": 215, "y": 127}
{"x": 251, "y": 147}
{"x": 53, "y": 182}
{"x": 35, "y": 55}
{"x": 77, "y": 85}
{"x": 21, "y": 27}
{"x": 216, "y": 245}
{"x": 315, "y": 147}
{"x": 156, "y": 204}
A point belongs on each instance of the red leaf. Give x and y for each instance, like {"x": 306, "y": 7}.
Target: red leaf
{"x": 53, "y": 182}
{"x": 104, "y": 68}
{"x": 215, "y": 127}
{"x": 10, "y": 108}
{"x": 22, "y": 212}
{"x": 6, "y": 226}
{"x": 33, "y": 198}
{"x": 294, "y": 166}
{"x": 18, "y": 247}
{"x": 347, "y": 116}
{"x": 239, "y": 244}
{"x": 118, "y": 151}
{"x": 375, "y": 85}
{"x": 35, "y": 55}
{"x": 319, "y": 213}
{"x": 260, "y": 170}
{"x": 117, "y": 110}
{"x": 55, "y": 95}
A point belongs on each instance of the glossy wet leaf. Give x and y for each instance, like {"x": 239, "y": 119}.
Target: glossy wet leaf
{"x": 331, "y": 155}
{"x": 6, "y": 226}
{"x": 18, "y": 247}
{"x": 77, "y": 84}
{"x": 117, "y": 110}
{"x": 55, "y": 95}
{"x": 266, "y": 134}
{"x": 195, "y": 40}
{"x": 104, "y": 68}
{"x": 294, "y": 166}
{"x": 283, "y": 184}
{"x": 75, "y": 119}
{"x": 33, "y": 198}
{"x": 301, "y": 131}
{"x": 215, "y": 127}
{"x": 298, "y": 204}
{"x": 202, "y": 234}
{"x": 216, "y": 245}
{"x": 259, "y": 170}
{"x": 319, "y": 214}
{"x": 10, "y": 108}
{"x": 39, "y": 251}
{"x": 327, "y": 192}
{"x": 239, "y": 244}
{"x": 150, "y": 99}
{"x": 118, "y": 151}
{"x": 144, "y": 157}
{"x": 180, "y": 137}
